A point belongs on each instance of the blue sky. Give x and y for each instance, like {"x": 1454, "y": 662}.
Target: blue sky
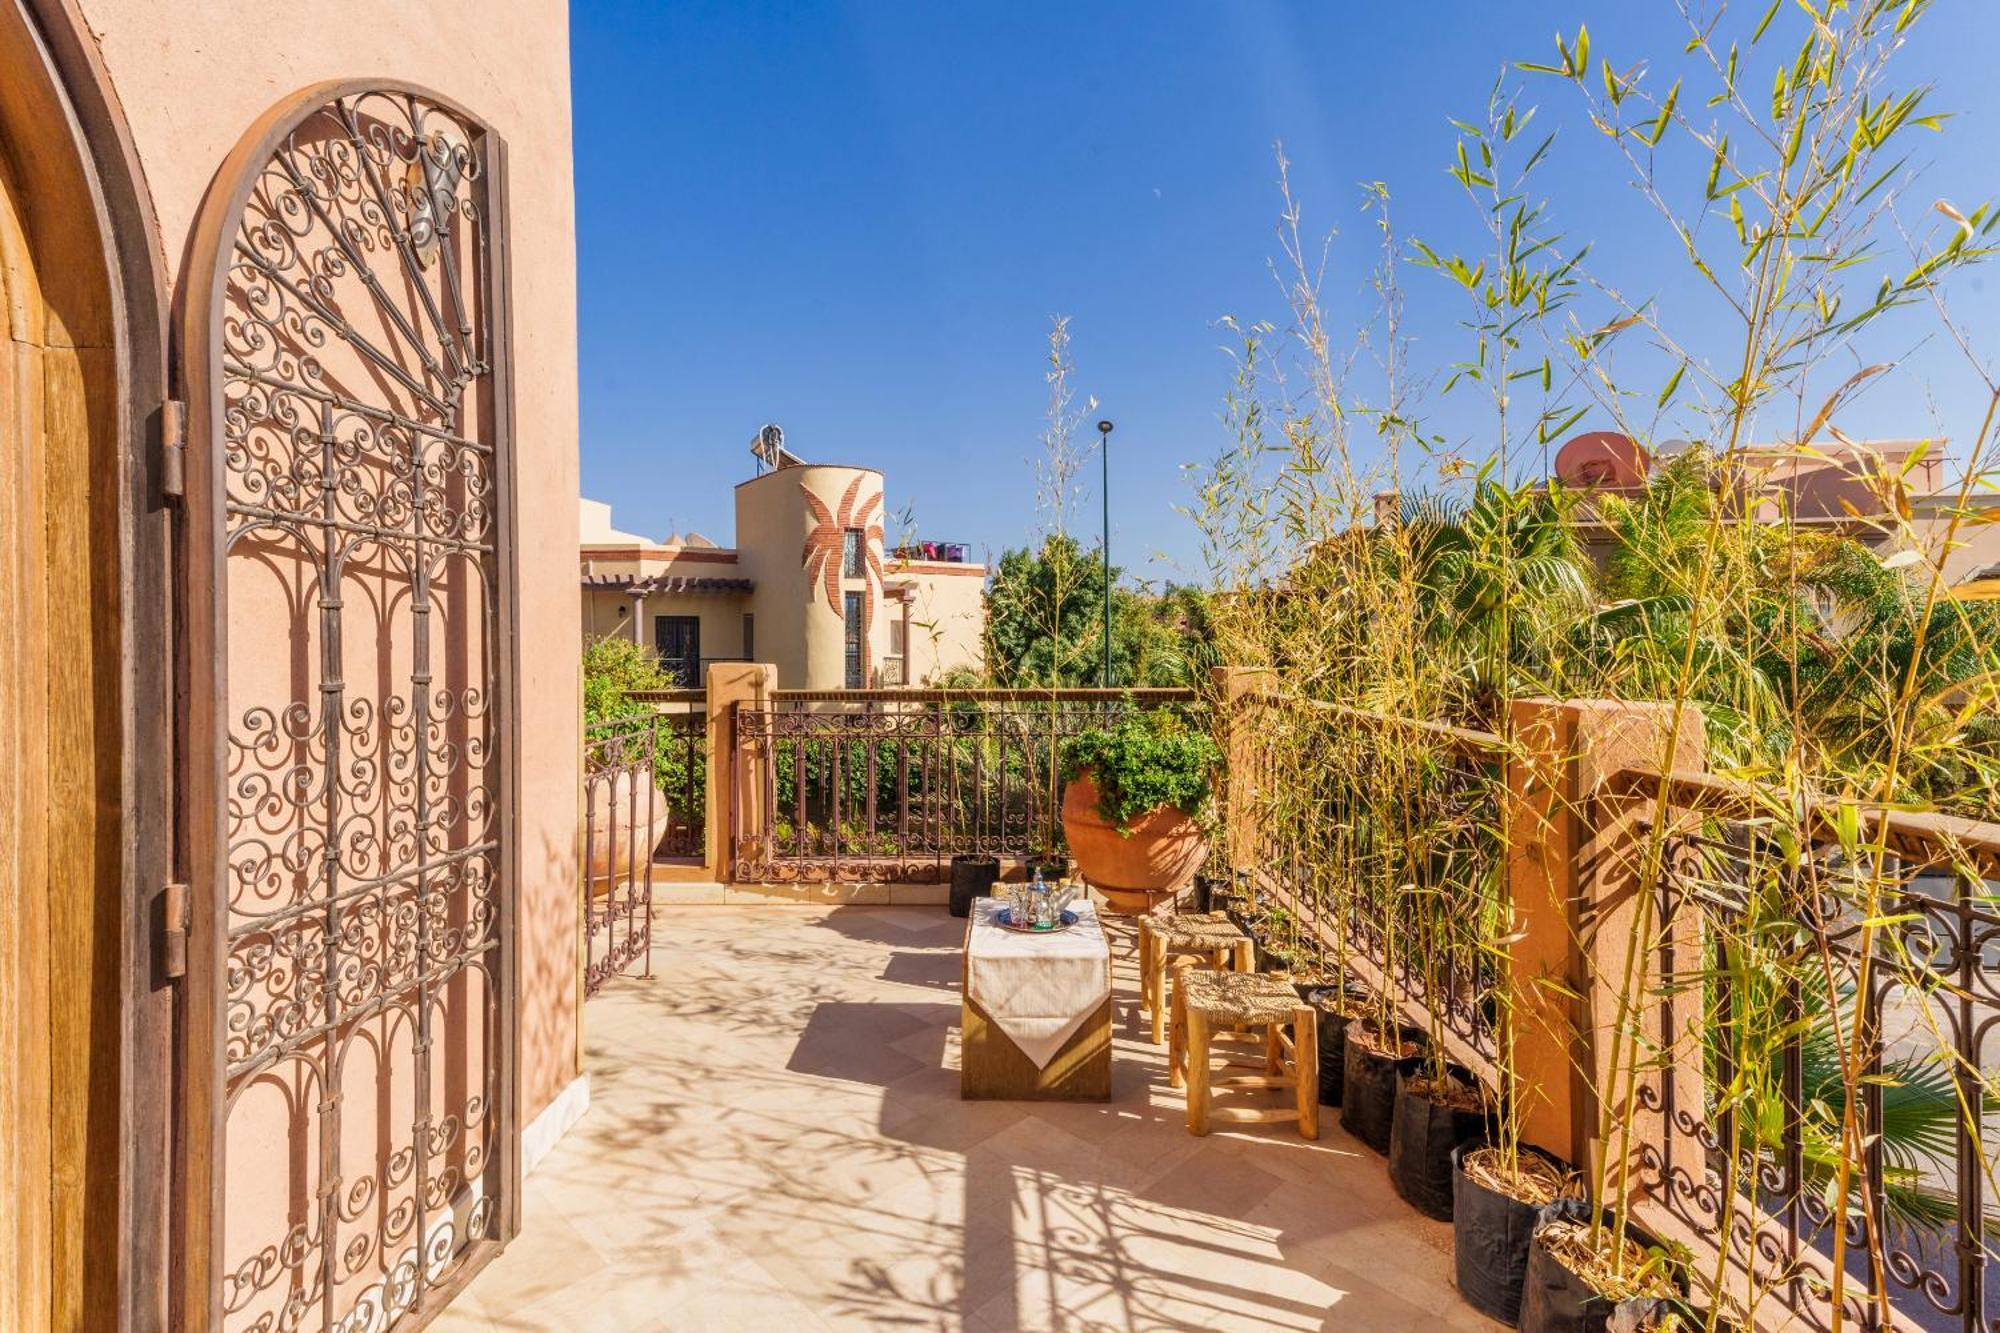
{"x": 856, "y": 220}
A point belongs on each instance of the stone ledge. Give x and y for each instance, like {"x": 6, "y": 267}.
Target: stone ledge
{"x": 799, "y": 895}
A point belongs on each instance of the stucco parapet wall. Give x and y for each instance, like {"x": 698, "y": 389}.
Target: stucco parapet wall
{"x": 875, "y": 894}
{"x": 798, "y": 470}
{"x": 718, "y": 555}
{"x": 929, "y": 567}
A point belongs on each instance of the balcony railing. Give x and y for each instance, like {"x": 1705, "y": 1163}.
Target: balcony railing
{"x": 875, "y": 785}
{"x": 1407, "y": 815}
{"x": 949, "y": 553}
{"x": 1786, "y": 955}
{"x": 645, "y": 796}
{"x": 1896, "y": 915}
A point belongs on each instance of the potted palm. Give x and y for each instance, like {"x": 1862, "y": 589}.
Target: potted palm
{"x": 1131, "y": 811}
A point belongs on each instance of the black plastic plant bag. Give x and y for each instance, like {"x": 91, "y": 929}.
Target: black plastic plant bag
{"x": 1490, "y": 1236}
{"x": 971, "y": 877}
{"x": 1332, "y": 1055}
{"x": 1368, "y": 1094}
{"x": 1555, "y": 1300}
{"x": 1423, "y": 1140}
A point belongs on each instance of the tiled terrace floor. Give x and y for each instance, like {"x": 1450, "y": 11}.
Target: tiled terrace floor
{"x": 776, "y": 1142}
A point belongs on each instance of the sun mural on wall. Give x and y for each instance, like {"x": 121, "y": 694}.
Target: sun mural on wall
{"x": 826, "y": 541}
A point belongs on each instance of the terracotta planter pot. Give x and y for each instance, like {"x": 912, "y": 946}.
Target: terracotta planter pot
{"x": 1135, "y": 871}
{"x": 611, "y": 864}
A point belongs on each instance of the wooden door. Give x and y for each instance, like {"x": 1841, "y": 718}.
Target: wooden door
{"x": 60, "y": 736}
{"x": 25, "y": 1160}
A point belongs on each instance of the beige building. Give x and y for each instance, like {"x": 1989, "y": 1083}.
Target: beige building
{"x": 808, "y": 587}
{"x": 289, "y": 744}
{"x": 1833, "y": 486}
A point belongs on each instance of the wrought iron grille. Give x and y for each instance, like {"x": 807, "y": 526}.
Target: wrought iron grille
{"x": 1785, "y": 937}
{"x": 678, "y": 727}
{"x": 889, "y": 785}
{"x": 645, "y": 796}
{"x": 1881, "y": 943}
{"x": 358, "y": 487}
{"x": 1397, "y": 825}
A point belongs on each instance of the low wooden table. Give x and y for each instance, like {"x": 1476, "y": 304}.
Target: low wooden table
{"x": 992, "y": 1067}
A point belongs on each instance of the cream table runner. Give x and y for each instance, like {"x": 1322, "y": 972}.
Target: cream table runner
{"x": 1038, "y": 988}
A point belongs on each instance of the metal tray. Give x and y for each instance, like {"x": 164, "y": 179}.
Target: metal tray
{"x": 1004, "y": 919}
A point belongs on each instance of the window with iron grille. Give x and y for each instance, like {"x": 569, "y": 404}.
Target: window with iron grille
{"x": 852, "y": 602}
{"x": 677, "y": 643}
{"x": 850, "y": 553}
{"x": 749, "y": 637}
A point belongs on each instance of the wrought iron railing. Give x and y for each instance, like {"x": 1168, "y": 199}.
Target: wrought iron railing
{"x": 889, "y": 785}
{"x": 645, "y": 790}
{"x": 1379, "y": 838}
{"x": 1799, "y": 955}
{"x": 679, "y": 722}
{"x": 953, "y": 553}
{"x": 1809, "y": 954}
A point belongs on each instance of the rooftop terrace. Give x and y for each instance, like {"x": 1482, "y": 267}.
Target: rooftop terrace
{"x": 776, "y": 1141}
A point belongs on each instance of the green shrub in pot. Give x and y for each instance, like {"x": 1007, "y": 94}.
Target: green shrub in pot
{"x": 1134, "y": 808}
{"x": 1145, "y": 761}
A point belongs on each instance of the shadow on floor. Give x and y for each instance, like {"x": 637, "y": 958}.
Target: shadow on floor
{"x": 776, "y": 1141}
{"x": 938, "y": 969}
{"x": 865, "y": 1043}
{"x": 894, "y": 925}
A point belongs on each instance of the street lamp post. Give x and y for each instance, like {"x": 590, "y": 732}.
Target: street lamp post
{"x": 1104, "y": 458}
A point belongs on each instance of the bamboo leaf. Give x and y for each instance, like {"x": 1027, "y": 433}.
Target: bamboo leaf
{"x": 1673, "y": 382}
{"x": 1834, "y": 399}
{"x": 1536, "y": 156}
{"x": 1765, "y": 22}
{"x": 1666, "y": 115}
{"x": 1615, "y": 327}
{"x": 1964, "y": 226}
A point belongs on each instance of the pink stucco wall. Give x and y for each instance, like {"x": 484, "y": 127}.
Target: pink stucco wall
{"x": 192, "y": 77}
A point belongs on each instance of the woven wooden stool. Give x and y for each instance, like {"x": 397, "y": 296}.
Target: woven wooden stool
{"x": 1209, "y": 936}
{"x": 1244, "y": 1010}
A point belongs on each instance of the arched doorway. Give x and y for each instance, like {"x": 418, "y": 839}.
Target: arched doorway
{"x": 351, "y": 1158}
{"x": 84, "y": 1015}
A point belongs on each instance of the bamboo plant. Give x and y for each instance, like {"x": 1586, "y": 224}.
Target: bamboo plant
{"x": 1375, "y": 559}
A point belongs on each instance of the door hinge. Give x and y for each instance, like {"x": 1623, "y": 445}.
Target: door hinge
{"x": 174, "y": 938}
{"x": 173, "y": 449}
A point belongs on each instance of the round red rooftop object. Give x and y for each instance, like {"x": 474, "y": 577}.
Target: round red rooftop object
{"x": 1602, "y": 458}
